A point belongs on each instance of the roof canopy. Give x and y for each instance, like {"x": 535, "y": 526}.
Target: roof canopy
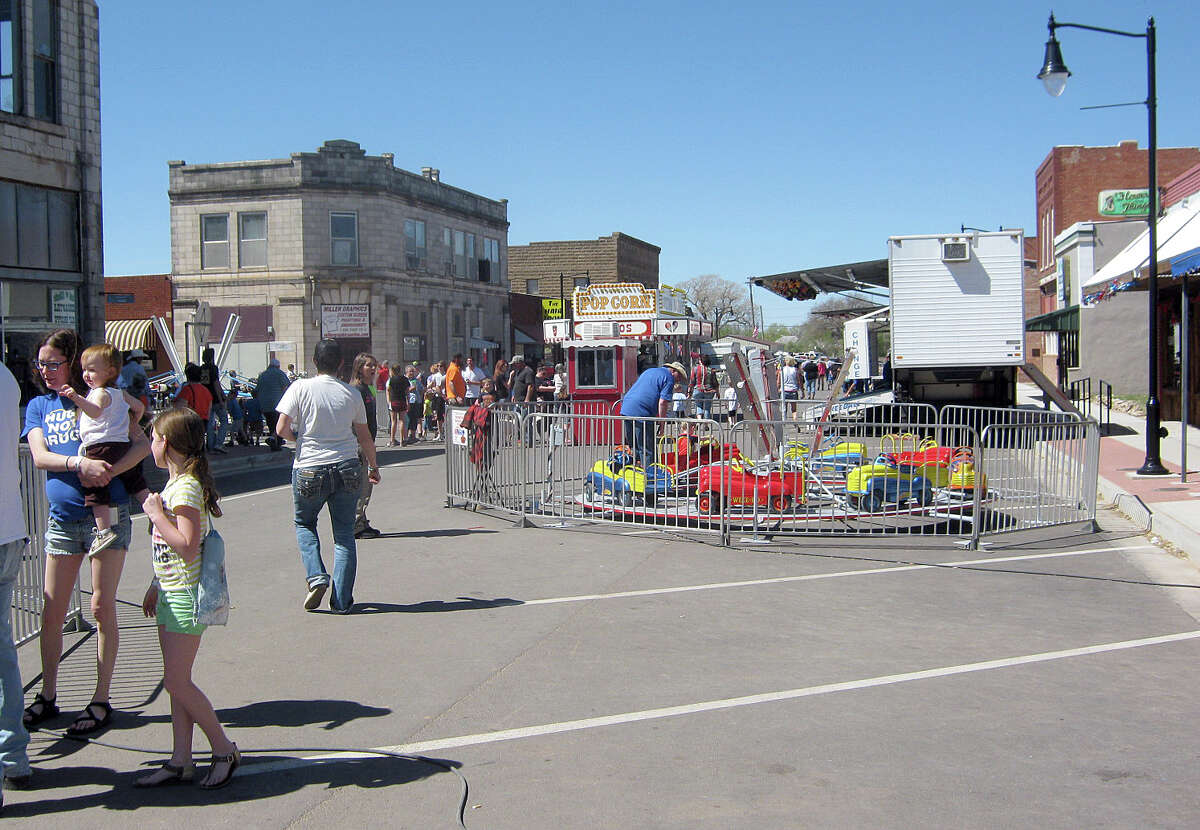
{"x": 870, "y": 275}
{"x": 1178, "y": 233}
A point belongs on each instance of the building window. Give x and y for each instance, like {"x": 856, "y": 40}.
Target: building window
{"x": 214, "y": 240}
{"x": 596, "y": 367}
{"x": 458, "y": 329}
{"x": 414, "y": 244}
{"x": 252, "y": 240}
{"x": 45, "y": 60}
{"x": 464, "y": 253}
{"x": 532, "y": 286}
{"x": 343, "y": 238}
{"x": 414, "y": 348}
{"x": 404, "y": 319}
{"x": 10, "y": 55}
{"x": 424, "y": 321}
{"x": 491, "y": 256}
{"x": 582, "y": 282}
{"x": 39, "y": 227}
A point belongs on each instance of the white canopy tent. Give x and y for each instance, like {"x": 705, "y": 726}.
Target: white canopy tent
{"x": 1178, "y": 233}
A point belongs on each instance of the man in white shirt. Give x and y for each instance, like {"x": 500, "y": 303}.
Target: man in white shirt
{"x": 474, "y": 377}
{"x": 14, "y": 757}
{"x": 328, "y": 422}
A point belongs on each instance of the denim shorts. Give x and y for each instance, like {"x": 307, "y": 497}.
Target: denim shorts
{"x": 177, "y": 612}
{"x": 73, "y": 538}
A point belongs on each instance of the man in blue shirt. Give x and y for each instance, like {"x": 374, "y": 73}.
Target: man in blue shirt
{"x": 649, "y": 397}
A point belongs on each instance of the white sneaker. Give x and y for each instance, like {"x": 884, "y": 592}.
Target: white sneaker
{"x": 104, "y": 539}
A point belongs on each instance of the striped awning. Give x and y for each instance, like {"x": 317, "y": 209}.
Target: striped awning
{"x": 130, "y": 334}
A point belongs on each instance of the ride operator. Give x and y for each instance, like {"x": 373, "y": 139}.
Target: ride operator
{"x": 649, "y": 397}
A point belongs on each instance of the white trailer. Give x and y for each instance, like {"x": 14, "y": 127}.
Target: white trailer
{"x": 957, "y": 316}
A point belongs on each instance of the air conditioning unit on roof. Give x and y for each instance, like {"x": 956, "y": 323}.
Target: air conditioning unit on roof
{"x": 956, "y": 250}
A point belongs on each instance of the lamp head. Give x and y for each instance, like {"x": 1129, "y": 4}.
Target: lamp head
{"x": 1054, "y": 72}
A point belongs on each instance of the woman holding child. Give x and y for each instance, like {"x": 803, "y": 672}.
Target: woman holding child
{"x": 52, "y": 430}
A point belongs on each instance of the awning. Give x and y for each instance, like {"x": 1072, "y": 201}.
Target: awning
{"x": 480, "y": 343}
{"x": 1185, "y": 262}
{"x": 1063, "y": 319}
{"x": 1178, "y": 233}
{"x": 130, "y": 334}
{"x": 870, "y": 275}
{"x": 523, "y": 339}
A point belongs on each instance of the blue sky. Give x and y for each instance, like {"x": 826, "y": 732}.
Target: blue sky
{"x": 743, "y": 139}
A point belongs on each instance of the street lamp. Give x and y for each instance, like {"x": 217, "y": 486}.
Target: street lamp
{"x": 1054, "y": 76}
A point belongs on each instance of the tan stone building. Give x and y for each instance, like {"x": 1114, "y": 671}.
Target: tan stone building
{"x": 536, "y": 268}
{"x": 339, "y": 244}
{"x": 51, "y": 252}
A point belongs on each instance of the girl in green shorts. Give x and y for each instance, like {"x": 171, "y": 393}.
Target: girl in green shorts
{"x": 180, "y": 516}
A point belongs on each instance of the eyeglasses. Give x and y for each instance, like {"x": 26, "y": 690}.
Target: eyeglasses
{"x": 52, "y": 365}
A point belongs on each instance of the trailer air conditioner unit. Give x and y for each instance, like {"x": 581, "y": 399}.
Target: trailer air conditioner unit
{"x": 956, "y": 250}
{"x": 600, "y": 331}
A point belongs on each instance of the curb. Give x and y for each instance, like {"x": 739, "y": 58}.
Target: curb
{"x": 1155, "y": 523}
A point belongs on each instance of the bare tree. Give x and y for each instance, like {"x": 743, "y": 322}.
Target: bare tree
{"x": 719, "y": 300}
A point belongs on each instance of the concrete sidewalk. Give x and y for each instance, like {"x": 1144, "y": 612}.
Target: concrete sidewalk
{"x": 1165, "y": 506}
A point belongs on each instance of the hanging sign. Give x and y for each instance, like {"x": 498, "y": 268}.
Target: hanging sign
{"x": 345, "y": 320}
{"x": 1124, "y": 202}
{"x": 552, "y": 308}
{"x": 556, "y": 331}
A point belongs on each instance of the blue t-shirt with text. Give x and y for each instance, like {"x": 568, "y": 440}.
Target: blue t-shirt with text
{"x": 56, "y": 418}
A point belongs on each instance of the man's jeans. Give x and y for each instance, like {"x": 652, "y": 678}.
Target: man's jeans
{"x": 13, "y": 736}
{"x": 703, "y": 404}
{"x": 218, "y": 425}
{"x": 337, "y": 485}
{"x": 640, "y": 436}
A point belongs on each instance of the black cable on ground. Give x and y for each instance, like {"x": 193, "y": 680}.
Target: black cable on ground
{"x": 462, "y": 803}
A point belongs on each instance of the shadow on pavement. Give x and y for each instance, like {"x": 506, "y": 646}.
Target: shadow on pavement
{"x": 329, "y": 713}
{"x": 422, "y": 534}
{"x": 246, "y": 785}
{"x": 434, "y": 606}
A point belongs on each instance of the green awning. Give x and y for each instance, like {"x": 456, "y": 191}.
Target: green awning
{"x": 1063, "y": 319}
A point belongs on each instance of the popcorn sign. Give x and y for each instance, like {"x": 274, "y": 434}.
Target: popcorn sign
{"x": 615, "y": 301}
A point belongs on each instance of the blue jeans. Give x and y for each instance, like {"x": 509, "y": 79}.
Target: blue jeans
{"x": 218, "y": 425}
{"x": 13, "y": 736}
{"x": 703, "y": 404}
{"x": 337, "y": 485}
{"x": 640, "y": 436}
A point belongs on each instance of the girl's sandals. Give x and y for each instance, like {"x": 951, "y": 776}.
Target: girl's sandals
{"x": 42, "y": 709}
{"x": 233, "y": 760}
{"x": 89, "y": 721}
{"x": 167, "y": 774}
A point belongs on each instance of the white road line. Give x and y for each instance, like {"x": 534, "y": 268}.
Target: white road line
{"x": 442, "y": 744}
{"x": 813, "y": 577}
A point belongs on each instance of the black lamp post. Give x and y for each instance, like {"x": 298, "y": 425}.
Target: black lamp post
{"x": 1054, "y": 75}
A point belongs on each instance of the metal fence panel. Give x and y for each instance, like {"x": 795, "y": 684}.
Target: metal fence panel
{"x": 1040, "y": 475}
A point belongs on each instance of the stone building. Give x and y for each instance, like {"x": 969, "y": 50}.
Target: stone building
{"x": 51, "y": 254}
{"x": 340, "y": 244}
{"x": 536, "y": 268}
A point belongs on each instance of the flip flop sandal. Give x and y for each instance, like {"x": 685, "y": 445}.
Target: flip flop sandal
{"x": 39, "y": 711}
{"x": 87, "y": 722}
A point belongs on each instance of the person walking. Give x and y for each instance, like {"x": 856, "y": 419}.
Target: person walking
{"x": 14, "y": 737}
{"x": 474, "y": 377}
{"x": 416, "y": 405}
{"x": 362, "y": 380}
{"x": 789, "y": 386}
{"x": 269, "y": 389}
{"x": 703, "y": 386}
{"x": 218, "y": 415}
{"x": 52, "y": 431}
{"x": 649, "y": 397}
{"x": 396, "y": 390}
{"x": 328, "y": 421}
{"x": 181, "y": 516}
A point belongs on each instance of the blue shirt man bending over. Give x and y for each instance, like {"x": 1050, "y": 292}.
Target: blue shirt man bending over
{"x": 649, "y": 397}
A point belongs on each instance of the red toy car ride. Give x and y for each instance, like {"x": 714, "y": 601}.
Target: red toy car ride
{"x": 737, "y": 485}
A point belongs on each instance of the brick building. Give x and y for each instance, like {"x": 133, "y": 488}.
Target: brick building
{"x": 341, "y": 244}
{"x": 1068, "y": 186}
{"x": 129, "y": 304}
{"x": 535, "y": 268}
{"x": 51, "y": 253}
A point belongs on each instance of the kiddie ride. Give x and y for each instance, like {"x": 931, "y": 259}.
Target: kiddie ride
{"x": 698, "y": 481}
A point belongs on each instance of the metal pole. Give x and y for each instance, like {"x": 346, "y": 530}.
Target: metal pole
{"x": 1185, "y": 379}
{"x": 1153, "y": 464}
{"x": 750, "y": 284}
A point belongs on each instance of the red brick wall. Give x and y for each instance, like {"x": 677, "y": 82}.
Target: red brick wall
{"x": 151, "y": 297}
{"x": 1069, "y": 181}
{"x": 1182, "y": 186}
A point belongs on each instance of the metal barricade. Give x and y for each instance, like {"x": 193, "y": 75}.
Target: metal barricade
{"x": 851, "y": 478}
{"x": 28, "y": 591}
{"x": 1040, "y": 475}
{"x": 485, "y": 465}
{"x": 978, "y": 418}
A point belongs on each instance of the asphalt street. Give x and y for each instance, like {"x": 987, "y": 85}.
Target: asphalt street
{"x": 601, "y": 677}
